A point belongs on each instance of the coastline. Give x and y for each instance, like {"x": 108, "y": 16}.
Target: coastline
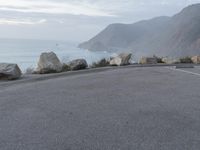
{"x": 26, "y": 52}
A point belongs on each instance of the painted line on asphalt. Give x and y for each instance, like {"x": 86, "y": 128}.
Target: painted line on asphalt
{"x": 181, "y": 70}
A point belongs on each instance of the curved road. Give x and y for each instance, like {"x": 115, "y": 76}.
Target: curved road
{"x": 153, "y": 108}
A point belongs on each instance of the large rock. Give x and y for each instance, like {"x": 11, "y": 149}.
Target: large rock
{"x": 78, "y": 64}
{"x": 168, "y": 60}
{"x": 148, "y": 60}
{"x": 9, "y": 71}
{"x": 121, "y": 60}
{"x": 196, "y": 59}
{"x": 49, "y": 63}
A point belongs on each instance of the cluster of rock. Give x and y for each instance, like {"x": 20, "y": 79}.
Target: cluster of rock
{"x": 168, "y": 60}
{"x": 50, "y": 63}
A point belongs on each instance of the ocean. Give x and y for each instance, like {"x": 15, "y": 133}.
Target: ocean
{"x": 26, "y": 52}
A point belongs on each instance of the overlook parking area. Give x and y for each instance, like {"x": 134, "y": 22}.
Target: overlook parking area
{"x": 141, "y": 108}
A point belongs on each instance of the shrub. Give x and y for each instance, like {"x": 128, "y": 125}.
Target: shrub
{"x": 186, "y": 60}
{"x": 159, "y": 59}
{"x": 66, "y": 68}
{"x": 102, "y": 63}
{"x": 30, "y": 70}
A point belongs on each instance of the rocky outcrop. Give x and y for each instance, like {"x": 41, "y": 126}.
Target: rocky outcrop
{"x": 148, "y": 60}
{"x": 196, "y": 59}
{"x": 78, "y": 64}
{"x": 121, "y": 60}
{"x": 9, "y": 71}
{"x": 49, "y": 63}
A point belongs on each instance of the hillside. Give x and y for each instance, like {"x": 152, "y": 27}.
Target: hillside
{"x": 174, "y": 36}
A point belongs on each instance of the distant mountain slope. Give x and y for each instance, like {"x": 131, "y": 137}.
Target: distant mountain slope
{"x": 178, "y": 35}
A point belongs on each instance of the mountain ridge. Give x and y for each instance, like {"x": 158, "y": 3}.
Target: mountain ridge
{"x": 174, "y": 36}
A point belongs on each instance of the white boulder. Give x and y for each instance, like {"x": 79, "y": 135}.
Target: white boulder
{"x": 196, "y": 59}
{"x": 168, "y": 60}
{"x": 49, "y": 63}
{"x": 121, "y": 60}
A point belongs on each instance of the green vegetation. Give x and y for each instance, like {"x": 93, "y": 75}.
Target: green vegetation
{"x": 102, "y": 63}
{"x": 66, "y": 68}
{"x": 160, "y": 60}
{"x": 186, "y": 60}
{"x": 30, "y": 70}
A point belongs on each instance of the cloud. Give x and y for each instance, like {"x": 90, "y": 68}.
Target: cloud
{"x": 94, "y": 8}
{"x": 54, "y": 7}
{"x": 77, "y": 19}
{"x": 20, "y": 21}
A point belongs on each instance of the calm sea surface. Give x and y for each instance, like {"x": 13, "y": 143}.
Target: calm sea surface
{"x": 26, "y": 52}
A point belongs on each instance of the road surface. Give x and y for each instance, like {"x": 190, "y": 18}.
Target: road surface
{"x": 153, "y": 108}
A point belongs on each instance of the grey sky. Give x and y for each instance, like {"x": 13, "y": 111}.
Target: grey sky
{"x": 77, "y": 20}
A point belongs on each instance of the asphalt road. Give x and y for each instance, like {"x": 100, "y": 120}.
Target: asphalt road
{"x": 155, "y": 108}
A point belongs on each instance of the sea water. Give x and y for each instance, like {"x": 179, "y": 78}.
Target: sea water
{"x": 26, "y": 52}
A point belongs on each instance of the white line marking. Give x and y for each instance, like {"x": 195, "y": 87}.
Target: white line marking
{"x": 189, "y": 72}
